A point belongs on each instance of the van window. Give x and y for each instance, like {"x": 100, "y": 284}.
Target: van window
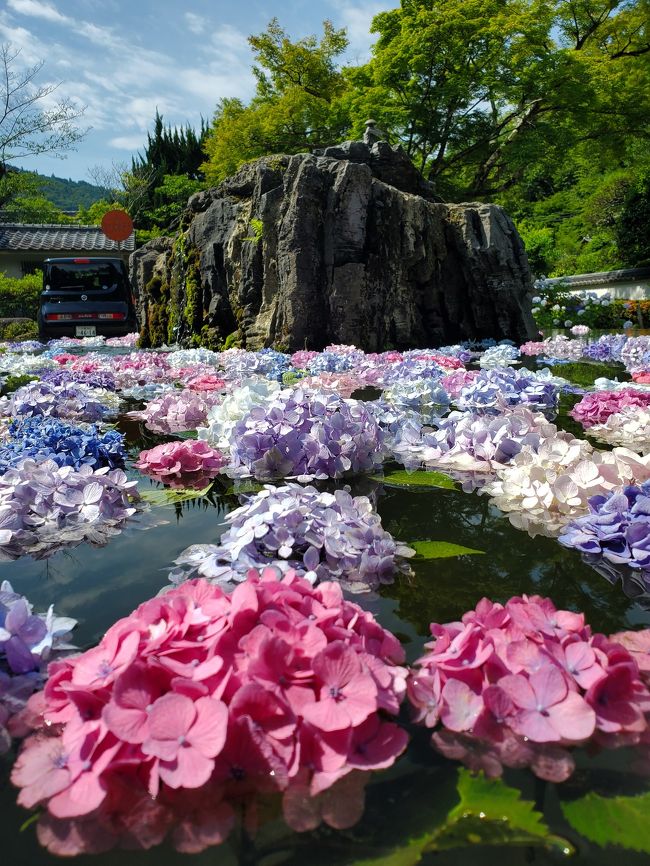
{"x": 84, "y": 277}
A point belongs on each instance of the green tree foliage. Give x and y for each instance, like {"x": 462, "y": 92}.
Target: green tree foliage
{"x": 168, "y": 170}
{"x": 297, "y": 105}
{"x": 21, "y": 199}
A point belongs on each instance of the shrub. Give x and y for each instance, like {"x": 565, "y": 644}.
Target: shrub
{"x": 19, "y": 295}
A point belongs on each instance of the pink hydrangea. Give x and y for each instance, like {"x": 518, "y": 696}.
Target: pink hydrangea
{"x": 596, "y": 407}
{"x": 453, "y": 383}
{"x": 205, "y": 382}
{"x": 533, "y": 347}
{"x": 517, "y": 684}
{"x": 201, "y": 700}
{"x": 301, "y": 358}
{"x": 190, "y": 463}
{"x": 642, "y": 377}
{"x": 177, "y": 411}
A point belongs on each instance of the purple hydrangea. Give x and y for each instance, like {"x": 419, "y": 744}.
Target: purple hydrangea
{"x": 617, "y": 529}
{"x": 97, "y": 379}
{"x": 44, "y": 507}
{"x": 303, "y": 434}
{"x": 503, "y": 387}
{"x": 28, "y": 642}
{"x": 326, "y": 536}
{"x": 72, "y": 401}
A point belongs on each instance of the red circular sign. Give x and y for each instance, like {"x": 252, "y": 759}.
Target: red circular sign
{"x": 117, "y": 225}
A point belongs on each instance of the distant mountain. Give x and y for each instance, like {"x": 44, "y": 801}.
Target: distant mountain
{"x": 70, "y": 195}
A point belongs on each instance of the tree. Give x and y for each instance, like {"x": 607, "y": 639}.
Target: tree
{"x": 31, "y": 122}
{"x": 478, "y": 92}
{"x": 297, "y": 106}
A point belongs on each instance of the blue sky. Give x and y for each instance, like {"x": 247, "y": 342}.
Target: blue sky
{"x": 125, "y": 59}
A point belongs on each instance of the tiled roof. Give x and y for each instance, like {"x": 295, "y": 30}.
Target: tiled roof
{"x": 622, "y": 276}
{"x": 64, "y": 238}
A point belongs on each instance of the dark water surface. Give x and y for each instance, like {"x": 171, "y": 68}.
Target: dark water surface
{"x": 99, "y": 585}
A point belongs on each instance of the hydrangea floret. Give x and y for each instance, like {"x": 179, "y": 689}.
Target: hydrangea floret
{"x": 202, "y": 697}
{"x": 325, "y": 536}
{"x": 519, "y": 684}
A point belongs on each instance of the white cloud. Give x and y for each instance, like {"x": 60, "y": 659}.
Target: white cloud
{"x": 195, "y": 23}
{"x": 127, "y": 142}
{"x": 37, "y": 9}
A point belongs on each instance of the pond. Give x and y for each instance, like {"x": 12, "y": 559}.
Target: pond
{"x": 425, "y": 808}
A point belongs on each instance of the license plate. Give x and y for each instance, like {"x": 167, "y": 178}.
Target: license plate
{"x": 85, "y": 331}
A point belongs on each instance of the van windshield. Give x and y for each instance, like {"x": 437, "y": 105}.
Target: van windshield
{"x": 84, "y": 277}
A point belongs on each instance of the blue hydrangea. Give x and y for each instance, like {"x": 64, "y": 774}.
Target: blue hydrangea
{"x": 66, "y": 444}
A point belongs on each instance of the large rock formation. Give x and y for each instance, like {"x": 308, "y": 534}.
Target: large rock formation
{"x": 345, "y": 246}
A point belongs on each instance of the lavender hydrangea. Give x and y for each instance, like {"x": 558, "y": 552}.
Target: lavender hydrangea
{"x": 176, "y": 411}
{"x": 426, "y": 396}
{"x": 98, "y": 379}
{"x": 473, "y": 442}
{"x": 326, "y": 536}
{"x": 44, "y": 507}
{"x": 306, "y": 435}
{"x": 617, "y": 529}
{"x": 71, "y": 401}
{"x": 503, "y": 387}
{"x": 43, "y": 438}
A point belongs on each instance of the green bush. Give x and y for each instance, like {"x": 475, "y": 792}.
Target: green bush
{"x": 17, "y": 331}
{"x": 19, "y": 296}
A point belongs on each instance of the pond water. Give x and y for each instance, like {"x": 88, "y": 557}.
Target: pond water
{"x": 411, "y": 812}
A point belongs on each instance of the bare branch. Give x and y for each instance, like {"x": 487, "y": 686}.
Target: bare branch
{"x": 30, "y": 123}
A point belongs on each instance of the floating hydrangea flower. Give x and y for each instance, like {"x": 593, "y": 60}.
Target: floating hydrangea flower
{"x": 306, "y": 435}
{"x": 182, "y": 464}
{"x": 127, "y": 341}
{"x": 44, "y": 507}
{"x": 617, "y": 528}
{"x": 223, "y": 417}
{"x": 28, "y": 642}
{"x": 596, "y": 407}
{"x": 177, "y": 411}
{"x": 45, "y": 438}
{"x": 499, "y": 356}
{"x": 630, "y": 427}
{"x": 473, "y": 442}
{"x": 323, "y": 535}
{"x": 425, "y": 396}
{"x": 25, "y": 365}
{"x": 98, "y": 379}
{"x": 519, "y": 684}
{"x": 543, "y": 490}
{"x": 69, "y": 401}
{"x": 203, "y": 698}
{"x": 503, "y": 387}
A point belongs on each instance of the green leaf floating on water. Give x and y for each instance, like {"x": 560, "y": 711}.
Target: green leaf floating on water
{"x": 418, "y": 479}
{"x": 439, "y": 549}
{"x": 612, "y": 820}
{"x": 489, "y": 812}
{"x": 187, "y": 434}
{"x": 168, "y": 496}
